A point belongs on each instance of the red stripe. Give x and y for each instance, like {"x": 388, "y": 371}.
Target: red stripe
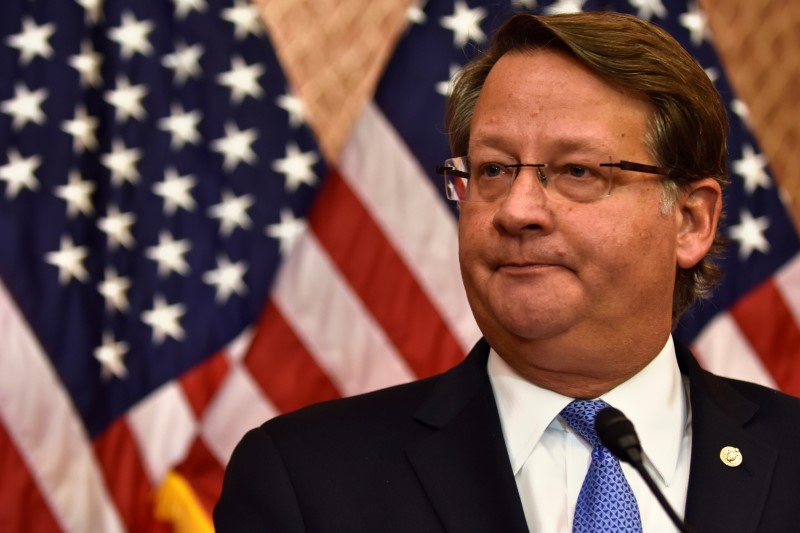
{"x": 281, "y": 364}
{"x": 23, "y": 506}
{"x": 202, "y": 471}
{"x": 201, "y": 382}
{"x": 126, "y": 478}
{"x": 764, "y": 318}
{"x": 380, "y": 277}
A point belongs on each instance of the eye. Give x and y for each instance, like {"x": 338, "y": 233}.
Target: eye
{"x": 576, "y": 171}
{"x": 492, "y": 170}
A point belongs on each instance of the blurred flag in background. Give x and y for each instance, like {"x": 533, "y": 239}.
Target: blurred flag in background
{"x": 182, "y": 258}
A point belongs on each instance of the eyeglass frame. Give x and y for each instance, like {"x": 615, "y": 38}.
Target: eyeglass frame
{"x": 621, "y": 164}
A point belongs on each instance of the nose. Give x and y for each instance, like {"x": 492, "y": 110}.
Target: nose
{"x": 527, "y": 207}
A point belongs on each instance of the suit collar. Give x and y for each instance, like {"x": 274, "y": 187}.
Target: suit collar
{"x": 463, "y": 465}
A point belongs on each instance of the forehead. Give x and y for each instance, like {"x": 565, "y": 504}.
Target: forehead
{"x": 544, "y": 98}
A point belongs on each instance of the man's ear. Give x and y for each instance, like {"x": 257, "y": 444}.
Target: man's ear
{"x": 700, "y": 205}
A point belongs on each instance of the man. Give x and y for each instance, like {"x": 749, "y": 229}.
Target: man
{"x": 591, "y": 160}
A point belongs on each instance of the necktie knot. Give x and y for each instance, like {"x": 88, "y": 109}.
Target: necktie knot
{"x": 580, "y": 415}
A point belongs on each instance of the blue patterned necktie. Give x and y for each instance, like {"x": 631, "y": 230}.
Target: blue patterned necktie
{"x": 606, "y": 501}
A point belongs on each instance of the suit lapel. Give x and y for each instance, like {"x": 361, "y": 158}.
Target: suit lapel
{"x": 720, "y": 497}
{"x": 463, "y": 465}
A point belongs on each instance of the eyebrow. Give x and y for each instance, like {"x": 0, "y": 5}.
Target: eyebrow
{"x": 560, "y": 144}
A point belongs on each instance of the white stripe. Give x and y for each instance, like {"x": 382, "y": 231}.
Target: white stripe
{"x": 339, "y": 332}
{"x": 722, "y": 349}
{"x": 787, "y": 279}
{"x": 163, "y": 425}
{"x": 387, "y": 178}
{"x": 48, "y": 433}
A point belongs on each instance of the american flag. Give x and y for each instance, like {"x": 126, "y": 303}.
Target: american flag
{"x": 179, "y": 262}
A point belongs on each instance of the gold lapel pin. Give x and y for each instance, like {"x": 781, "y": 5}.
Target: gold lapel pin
{"x": 731, "y": 456}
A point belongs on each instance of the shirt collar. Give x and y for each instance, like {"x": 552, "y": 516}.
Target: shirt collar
{"x": 654, "y": 400}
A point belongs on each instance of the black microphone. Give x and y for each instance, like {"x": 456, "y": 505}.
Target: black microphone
{"x": 617, "y": 434}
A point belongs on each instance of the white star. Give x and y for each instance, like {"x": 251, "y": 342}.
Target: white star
{"x": 244, "y": 16}
{"x": 87, "y": 63}
{"x": 127, "y": 100}
{"x": 740, "y": 109}
{"x": 19, "y": 173}
{"x": 712, "y": 73}
{"x": 115, "y": 291}
{"x": 227, "y": 278}
{"x": 235, "y": 146}
{"x": 82, "y": 128}
{"x": 118, "y": 228}
{"x": 185, "y": 61}
{"x": 566, "y": 6}
{"x": 694, "y": 21}
{"x": 33, "y": 40}
{"x": 465, "y": 24}
{"x": 131, "y": 35}
{"x": 443, "y": 87}
{"x": 94, "y": 9}
{"x": 69, "y": 260}
{"x": 182, "y": 125}
{"x": 183, "y": 7}
{"x": 287, "y": 231}
{"x": 528, "y": 4}
{"x": 752, "y": 167}
{"x": 242, "y": 80}
{"x": 176, "y": 191}
{"x": 26, "y": 106}
{"x": 648, "y": 8}
{"x": 232, "y": 212}
{"x": 121, "y": 162}
{"x": 749, "y": 233}
{"x": 77, "y": 193}
{"x": 165, "y": 320}
{"x": 110, "y": 355}
{"x": 294, "y": 106}
{"x": 416, "y": 12}
{"x": 296, "y": 166}
{"x": 169, "y": 254}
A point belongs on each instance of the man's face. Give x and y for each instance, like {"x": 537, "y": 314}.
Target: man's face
{"x": 564, "y": 280}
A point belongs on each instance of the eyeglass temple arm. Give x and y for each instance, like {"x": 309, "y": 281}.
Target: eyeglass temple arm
{"x": 453, "y": 172}
{"x": 639, "y": 167}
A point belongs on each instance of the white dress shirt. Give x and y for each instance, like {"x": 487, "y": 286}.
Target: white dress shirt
{"x": 550, "y": 460}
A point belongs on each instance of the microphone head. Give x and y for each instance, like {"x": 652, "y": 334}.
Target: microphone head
{"x": 617, "y": 434}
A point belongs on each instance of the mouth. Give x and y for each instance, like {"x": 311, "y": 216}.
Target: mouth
{"x": 521, "y": 269}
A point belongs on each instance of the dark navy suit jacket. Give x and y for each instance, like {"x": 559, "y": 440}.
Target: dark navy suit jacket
{"x": 430, "y": 456}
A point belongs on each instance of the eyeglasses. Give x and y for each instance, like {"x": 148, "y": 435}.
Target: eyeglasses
{"x": 489, "y": 179}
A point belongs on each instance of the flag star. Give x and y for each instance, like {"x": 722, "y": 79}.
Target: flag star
{"x": 87, "y": 63}
{"x": 182, "y": 125}
{"x": 115, "y": 291}
{"x": 294, "y": 106}
{"x": 566, "y": 6}
{"x": 416, "y": 12}
{"x": 19, "y": 173}
{"x": 33, "y": 40}
{"x": 695, "y": 22}
{"x": 118, "y": 228}
{"x": 528, "y": 4}
{"x": 227, "y": 278}
{"x": 465, "y": 23}
{"x": 169, "y": 255}
{"x": 26, "y": 106}
{"x": 443, "y": 87}
{"x": 242, "y": 80}
{"x": 82, "y": 128}
{"x": 244, "y": 17}
{"x": 749, "y": 233}
{"x": 131, "y": 35}
{"x": 752, "y": 167}
{"x": 165, "y": 320}
{"x": 235, "y": 146}
{"x": 69, "y": 260}
{"x": 296, "y": 166}
{"x": 121, "y": 162}
{"x": 94, "y": 9}
{"x": 183, "y": 7}
{"x": 185, "y": 61}
{"x": 127, "y": 100}
{"x": 740, "y": 109}
{"x": 77, "y": 193}
{"x": 176, "y": 191}
{"x": 287, "y": 231}
{"x": 232, "y": 212}
{"x": 712, "y": 73}
{"x": 110, "y": 355}
{"x": 648, "y": 8}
